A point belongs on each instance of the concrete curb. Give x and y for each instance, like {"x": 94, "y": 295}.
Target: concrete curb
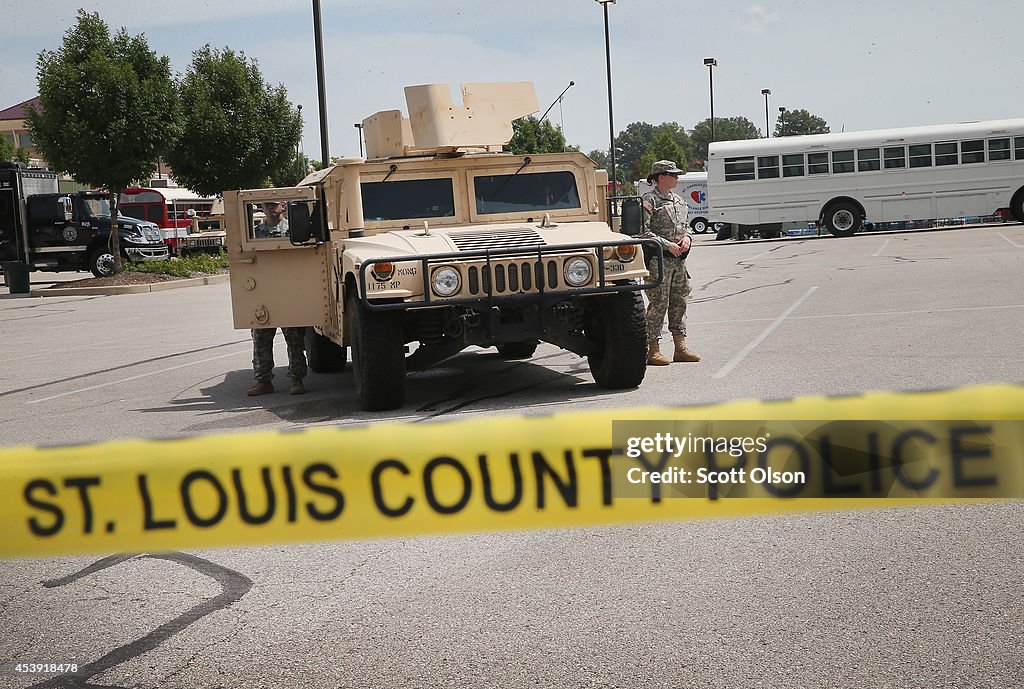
{"x": 128, "y": 289}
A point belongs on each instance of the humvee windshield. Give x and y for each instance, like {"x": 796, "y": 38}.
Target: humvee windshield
{"x": 540, "y": 191}
{"x": 408, "y": 199}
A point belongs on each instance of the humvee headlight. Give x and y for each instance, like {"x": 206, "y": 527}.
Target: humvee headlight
{"x": 577, "y": 271}
{"x": 383, "y": 271}
{"x": 626, "y": 252}
{"x": 446, "y": 281}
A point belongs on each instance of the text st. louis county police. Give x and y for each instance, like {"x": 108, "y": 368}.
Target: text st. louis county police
{"x": 282, "y": 491}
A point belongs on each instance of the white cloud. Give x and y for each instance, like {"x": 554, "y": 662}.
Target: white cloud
{"x": 756, "y": 18}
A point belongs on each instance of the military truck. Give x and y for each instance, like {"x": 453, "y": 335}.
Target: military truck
{"x": 438, "y": 241}
{"x": 54, "y": 231}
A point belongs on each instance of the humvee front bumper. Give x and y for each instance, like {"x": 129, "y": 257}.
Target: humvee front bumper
{"x": 492, "y": 277}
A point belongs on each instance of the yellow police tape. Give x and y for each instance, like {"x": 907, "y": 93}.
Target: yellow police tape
{"x": 514, "y": 473}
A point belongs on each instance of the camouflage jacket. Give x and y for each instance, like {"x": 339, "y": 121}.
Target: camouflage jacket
{"x": 665, "y": 217}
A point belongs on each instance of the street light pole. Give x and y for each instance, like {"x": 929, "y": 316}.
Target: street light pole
{"x": 608, "y": 61}
{"x": 298, "y": 155}
{"x": 711, "y": 64}
{"x": 782, "y": 116}
{"x": 359, "y": 126}
{"x": 318, "y": 40}
{"x": 766, "y": 93}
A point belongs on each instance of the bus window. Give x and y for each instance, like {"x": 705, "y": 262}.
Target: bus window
{"x": 739, "y": 169}
{"x": 921, "y": 155}
{"x": 132, "y": 211}
{"x": 895, "y": 157}
{"x": 767, "y": 167}
{"x": 972, "y": 151}
{"x": 945, "y": 153}
{"x": 793, "y": 165}
{"x": 998, "y": 149}
{"x": 868, "y": 159}
{"x": 817, "y": 163}
{"x": 1018, "y": 148}
{"x": 842, "y": 161}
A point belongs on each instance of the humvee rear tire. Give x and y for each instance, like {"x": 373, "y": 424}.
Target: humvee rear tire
{"x": 378, "y": 355}
{"x": 617, "y": 326}
{"x": 323, "y": 355}
{"x": 518, "y": 350}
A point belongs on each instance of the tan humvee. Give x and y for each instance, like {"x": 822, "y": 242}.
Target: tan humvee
{"x": 440, "y": 240}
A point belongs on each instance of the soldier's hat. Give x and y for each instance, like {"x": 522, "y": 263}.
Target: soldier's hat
{"x": 662, "y": 167}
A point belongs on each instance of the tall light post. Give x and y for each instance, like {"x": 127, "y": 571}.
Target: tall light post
{"x": 298, "y": 154}
{"x": 359, "y": 126}
{"x": 767, "y": 131}
{"x": 782, "y": 116}
{"x": 711, "y": 64}
{"x": 608, "y": 61}
{"x": 318, "y": 40}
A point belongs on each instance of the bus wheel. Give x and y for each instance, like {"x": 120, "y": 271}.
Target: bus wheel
{"x": 101, "y": 263}
{"x": 699, "y": 225}
{"x": 617, "y": 326}
{"x": 324, "y": 356}
{"x": 1018, "y": 206}
{"x": 378, "y": 355}
{"x": 842, "y": 219}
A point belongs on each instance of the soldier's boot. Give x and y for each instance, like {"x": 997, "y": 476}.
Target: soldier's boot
{"x": 264, "y": 387}
{"x": 297, "y": 387}
{"x": 654, "y": 355}
{"x": 682, "y": 353}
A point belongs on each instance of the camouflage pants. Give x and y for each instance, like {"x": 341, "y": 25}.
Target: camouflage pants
{"x": 669, "y": 297}
{"x": 263, "y": 352}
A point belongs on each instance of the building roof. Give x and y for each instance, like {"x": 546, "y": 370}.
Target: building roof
{"x": 17, "y": 112}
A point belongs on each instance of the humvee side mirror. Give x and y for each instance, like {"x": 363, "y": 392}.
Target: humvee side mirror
{"x": 305, "y": 222}
{"x": 632, "y": 217}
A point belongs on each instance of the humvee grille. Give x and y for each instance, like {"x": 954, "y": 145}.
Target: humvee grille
{"x": 507, "y": 238}
{"x": 508, "y": 278}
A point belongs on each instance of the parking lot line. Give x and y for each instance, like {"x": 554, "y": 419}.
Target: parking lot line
{"x": 882, "y": 248}
{"x": 141, "y": 375}
{"x": 732, "y": 363}
{"x": 863, "y": 314}
{"x": 1019, "y": 246}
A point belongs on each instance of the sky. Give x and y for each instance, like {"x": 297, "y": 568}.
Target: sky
{"x": 865, "y": 64}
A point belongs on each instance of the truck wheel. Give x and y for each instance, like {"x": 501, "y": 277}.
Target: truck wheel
{"x": 617, "y": 326}
{"x": 699, "y": 225}
{"x": 101, "y": 262}
{"x": 378, "y": 355}
{"x": 323, "y": 355}
{"x": 842, "y": 219}
{"x": 518, "y": 350}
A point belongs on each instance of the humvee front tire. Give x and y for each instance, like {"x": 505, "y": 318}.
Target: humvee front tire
{"x": 323, "y": 355}
{"x": 617, "y": 326}
{"x": 518, "y": 350}
{"x": 378, "y": 355}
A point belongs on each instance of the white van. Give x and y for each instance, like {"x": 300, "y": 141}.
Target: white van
{"x": 693, "y": 188}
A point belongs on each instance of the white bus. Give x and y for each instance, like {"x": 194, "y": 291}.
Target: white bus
{"x": 889, "y": 175}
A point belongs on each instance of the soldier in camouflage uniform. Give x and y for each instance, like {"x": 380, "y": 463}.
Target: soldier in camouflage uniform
{"x": 665, "y": 220}
{"x": 275, "y": 225}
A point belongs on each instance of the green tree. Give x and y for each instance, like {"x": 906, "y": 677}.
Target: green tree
{"x": 6, "y": 149}
{"x": 237, "y": 131}
{"x": 726, "y": 129}
{"x": 108, "y": 109}
{"x": 532, "y": 136}
{"x": 22, "y": 155}
{"x": 633, "y": 141}
{"x": 296, "y": 170}
{"x": 799, "y": 122}
{"x": 600, "y": 158}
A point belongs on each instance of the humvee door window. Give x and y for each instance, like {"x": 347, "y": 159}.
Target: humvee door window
{"x": 408, "y": 199}
{"x": 268, "y": 220}
{"x": 526, "y": 192}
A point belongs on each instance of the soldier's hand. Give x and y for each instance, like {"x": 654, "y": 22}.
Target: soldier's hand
{"x": 684, "y": 243}
{"x": 675, "y": 249}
